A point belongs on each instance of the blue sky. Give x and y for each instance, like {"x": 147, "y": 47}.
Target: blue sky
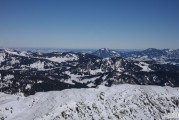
{"x": 121, "y": 24}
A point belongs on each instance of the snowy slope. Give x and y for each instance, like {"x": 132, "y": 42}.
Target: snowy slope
{"x": 125, "y": 102}
{"x": 68, "y": 57}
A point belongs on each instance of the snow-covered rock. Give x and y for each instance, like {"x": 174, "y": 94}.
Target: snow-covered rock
{"x": 124, "y": 102}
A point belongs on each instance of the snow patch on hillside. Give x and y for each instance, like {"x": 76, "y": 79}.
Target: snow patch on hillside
{"x": 38, "y": 65}
{"x": 11, "y": 52}
{"x": 144, "y": 66}
{"x": 24, "y": 53}
{"x": 60, "y": 59}
{"x": 2, "y": 57}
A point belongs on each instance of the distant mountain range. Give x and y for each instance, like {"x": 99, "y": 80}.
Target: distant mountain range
{"x": 30, "y": 72}
{"x": 153, "y": 54}
{"x": 150, "y": 53}
{"x": 163, "y": 56}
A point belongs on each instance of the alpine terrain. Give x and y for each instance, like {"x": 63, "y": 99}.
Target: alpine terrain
{"x": 102, "y": 84}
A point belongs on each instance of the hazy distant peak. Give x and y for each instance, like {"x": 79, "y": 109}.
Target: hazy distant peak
{"x": 105, "y": 52}
{"x": 104, "y": 49}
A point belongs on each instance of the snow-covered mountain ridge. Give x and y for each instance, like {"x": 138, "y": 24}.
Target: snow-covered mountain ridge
{"x": 30, "y": 72}
{"x": 124, "y": 102}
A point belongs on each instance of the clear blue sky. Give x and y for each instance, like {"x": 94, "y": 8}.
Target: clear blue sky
{"x": 89, "y": 23}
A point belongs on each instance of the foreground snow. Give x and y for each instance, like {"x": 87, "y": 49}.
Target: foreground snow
{"x": 124, "y": 102}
